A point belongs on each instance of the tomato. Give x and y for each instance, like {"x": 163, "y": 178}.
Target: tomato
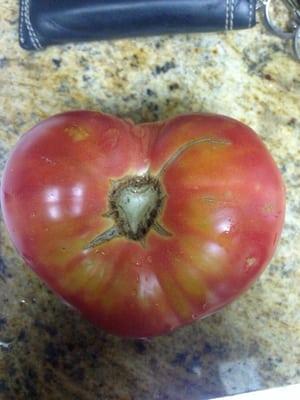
{"x": 143, "y": 228}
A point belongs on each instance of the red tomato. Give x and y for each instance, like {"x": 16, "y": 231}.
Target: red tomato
{"x": 143, "y": 228}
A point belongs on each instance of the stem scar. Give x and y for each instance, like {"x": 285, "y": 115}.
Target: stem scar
{"x": 135, "y": 202}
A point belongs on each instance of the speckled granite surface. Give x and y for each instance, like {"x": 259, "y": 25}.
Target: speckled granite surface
{"x": 46, "y": 350}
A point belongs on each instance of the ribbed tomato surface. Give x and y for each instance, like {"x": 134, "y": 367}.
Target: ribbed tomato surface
{"x": 207, "y": 209}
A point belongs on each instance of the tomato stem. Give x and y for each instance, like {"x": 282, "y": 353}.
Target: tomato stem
{"x": 106, "y": 236}
{"x": 135, "y": 202}
{"x": 187, "y": 146}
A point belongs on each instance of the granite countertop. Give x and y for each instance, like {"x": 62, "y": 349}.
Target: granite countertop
{"x": 47, "y": 351}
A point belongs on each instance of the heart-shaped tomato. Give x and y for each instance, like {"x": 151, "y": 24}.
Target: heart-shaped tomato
{"x": 143, "y": 228}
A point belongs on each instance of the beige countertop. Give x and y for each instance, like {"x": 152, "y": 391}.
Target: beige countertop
{"x": 46, "y": 350}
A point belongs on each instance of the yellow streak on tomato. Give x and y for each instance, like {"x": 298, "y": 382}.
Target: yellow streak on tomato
{"x": 207, "y": 256}
{"x": 100, "y": 273}
{"x": 60, "y": 257}
{"x": 58, "y": 254}
{"x": 174, "y": 295}
{"x": 73, "y": 281}
{"x": 77, "y": 133}
{"x": 203, "y": 162}
{"x": 152, "y": 299}
{"x": 89, "y": 278}
{"x": 199, "y": 218}
{"x": 59, "y": 242}
{"x": 189, "y": 278}
{"x": 149, "y": 290}
{"x": 120, "y": 290}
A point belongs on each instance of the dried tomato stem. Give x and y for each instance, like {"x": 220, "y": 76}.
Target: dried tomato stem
{"x": 135, "y": 202}
{"x": 106, "y": 236}
{"x": 186, "y": 147}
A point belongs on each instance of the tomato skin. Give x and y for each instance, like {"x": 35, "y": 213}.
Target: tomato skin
{"x": 224, "y": 208}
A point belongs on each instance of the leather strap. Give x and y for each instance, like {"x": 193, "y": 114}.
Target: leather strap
{"x": 48, "y": 22}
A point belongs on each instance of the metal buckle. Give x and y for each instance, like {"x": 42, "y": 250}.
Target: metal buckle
{"x": 294, "y": 33}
